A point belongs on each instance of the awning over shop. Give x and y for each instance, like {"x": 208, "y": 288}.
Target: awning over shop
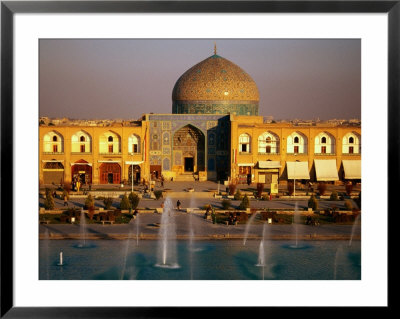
{"x": 245, "y": 164}
{"x": 352, "y": 169}
{"x": 89, "y": 164}
{"x": 133, "y": 162}
{"x": 297, "y": 170}
{"x": 269, "y": 164}
{"x": 326, "y": 170}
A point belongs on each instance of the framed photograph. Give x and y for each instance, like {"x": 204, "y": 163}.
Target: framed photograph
{"x": 161, "y": 156}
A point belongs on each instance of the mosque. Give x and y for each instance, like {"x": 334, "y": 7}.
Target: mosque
{"x": 213, "y": 133}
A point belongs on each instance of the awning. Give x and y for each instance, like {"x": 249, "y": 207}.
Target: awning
{"x": 110, "y": 161}
{"x": 245, "y": 164}
{"x": 89, "y": 164}
{"x": 269, "y": 164}
{"x": 326, "y": 170}
{"x": 352, "y": 169}
{"x": 297, "y": 170}
{"x": 133, "y": 162}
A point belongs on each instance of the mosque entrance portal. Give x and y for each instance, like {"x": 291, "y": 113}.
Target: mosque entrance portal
{"x": 189, "y": 150}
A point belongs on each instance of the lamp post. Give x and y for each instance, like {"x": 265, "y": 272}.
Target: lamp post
{"x": 294, "y": 179}
{"x": 132, "y": 175}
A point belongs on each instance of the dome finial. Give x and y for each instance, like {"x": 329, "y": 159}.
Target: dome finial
{"x": 215, "y": 48}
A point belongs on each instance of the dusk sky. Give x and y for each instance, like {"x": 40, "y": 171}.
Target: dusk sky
{"x": 125, "y": 78}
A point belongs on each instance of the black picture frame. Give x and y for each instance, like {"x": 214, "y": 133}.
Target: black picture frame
{"x": 9, "y": 8}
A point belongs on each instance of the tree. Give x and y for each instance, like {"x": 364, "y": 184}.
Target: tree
{"x": 321, "y": 188}
{"x": 260, "y": 188}
{"x": 107, "y": 202}
{"x": 134, "y": 200}
{"x": 290, "y": 188}
{"x": 89, "y": 202}
{"x": 334, "y": 195}
{"x": 238, "y": 195}
{"x": 245, "y": 203}
{"x": 313, "y": 203}
{"x": 49, "y": 200}
{"x": 125, "y": 203}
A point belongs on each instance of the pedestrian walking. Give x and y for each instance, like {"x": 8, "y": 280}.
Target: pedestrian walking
{"x": 178, "y": 205}
{"x": 65, "y": 200}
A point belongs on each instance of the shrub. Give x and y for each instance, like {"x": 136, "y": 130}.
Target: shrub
{"x": 321, "y": 188}
{"x": 313, "y": 203}
{"x": 91, "y": 212}
{"x": 349, "y": 188}
{"x": 226, "y": 204}
{"x": 158, "y": 194}
{"x": 238, "y": 195}
{"x": 134, "y": 200}
{"x": 265, "y": 197}
{"x": 107, "y": 202}
{"x": 125, "y": 203}
{"x": 260, "y": 188}
{"x": 89, "y": 202}
{"x": 334, "y": 195}
{"x": 232, "y": 188}
{"x": 348, "y": 204}
{"x": 49, "y": 200}
{"x": 290, "y": 188}
{"x": 245, "y": 203}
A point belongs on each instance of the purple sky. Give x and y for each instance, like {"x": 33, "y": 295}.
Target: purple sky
{"x": 122, "y": 79}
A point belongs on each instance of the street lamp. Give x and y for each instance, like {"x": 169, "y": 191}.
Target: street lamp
{"x": 294, "y": 179}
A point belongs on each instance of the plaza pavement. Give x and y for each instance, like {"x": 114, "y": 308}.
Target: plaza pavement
{"x": 147, "y": 225}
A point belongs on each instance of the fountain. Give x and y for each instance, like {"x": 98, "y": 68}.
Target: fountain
{"x": 246, "y": 231}
{"x": 82, "y": 230}
{"x": 127, "y": 245}
{"x": 61, "y": 259}
{"x": 356, "y": 222}
{"x": 137, "y": 229}
{"x": 167, "y": 238}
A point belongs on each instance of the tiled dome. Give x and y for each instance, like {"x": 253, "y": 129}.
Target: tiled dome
{"x": 215, "y": 79}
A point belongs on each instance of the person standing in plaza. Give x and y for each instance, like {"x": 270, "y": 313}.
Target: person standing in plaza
{"x": 65, "y": 200}
{"x": 178, "y": 205}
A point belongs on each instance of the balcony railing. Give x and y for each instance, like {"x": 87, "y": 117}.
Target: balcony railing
{"x": 352, "y": 154}
{"x": 81, "y": 153}
{"x": 134, "y": 153}
{"x": 53, "y": 153}
{"x": 110, "y": 153}
{"x": 325, "y": 154}
{"x": 265, "y": 153}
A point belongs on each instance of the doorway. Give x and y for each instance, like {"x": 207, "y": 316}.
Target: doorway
{"x": 110, "y": 178}
{"x": 189, "y": 164}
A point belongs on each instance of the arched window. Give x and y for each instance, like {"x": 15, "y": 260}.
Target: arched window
{"x": 351, "y": 143}
{"x": 268, "y": 143}
{"x": 324, "y": 143}
{"x": 134, "y": 144}
{"x": 110, "y": 142}
{"x": 296, "y": 143}
{"x": 81, "y": 142}
{"x": 244, "y": 143}
{"x": 53, "y": 142}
